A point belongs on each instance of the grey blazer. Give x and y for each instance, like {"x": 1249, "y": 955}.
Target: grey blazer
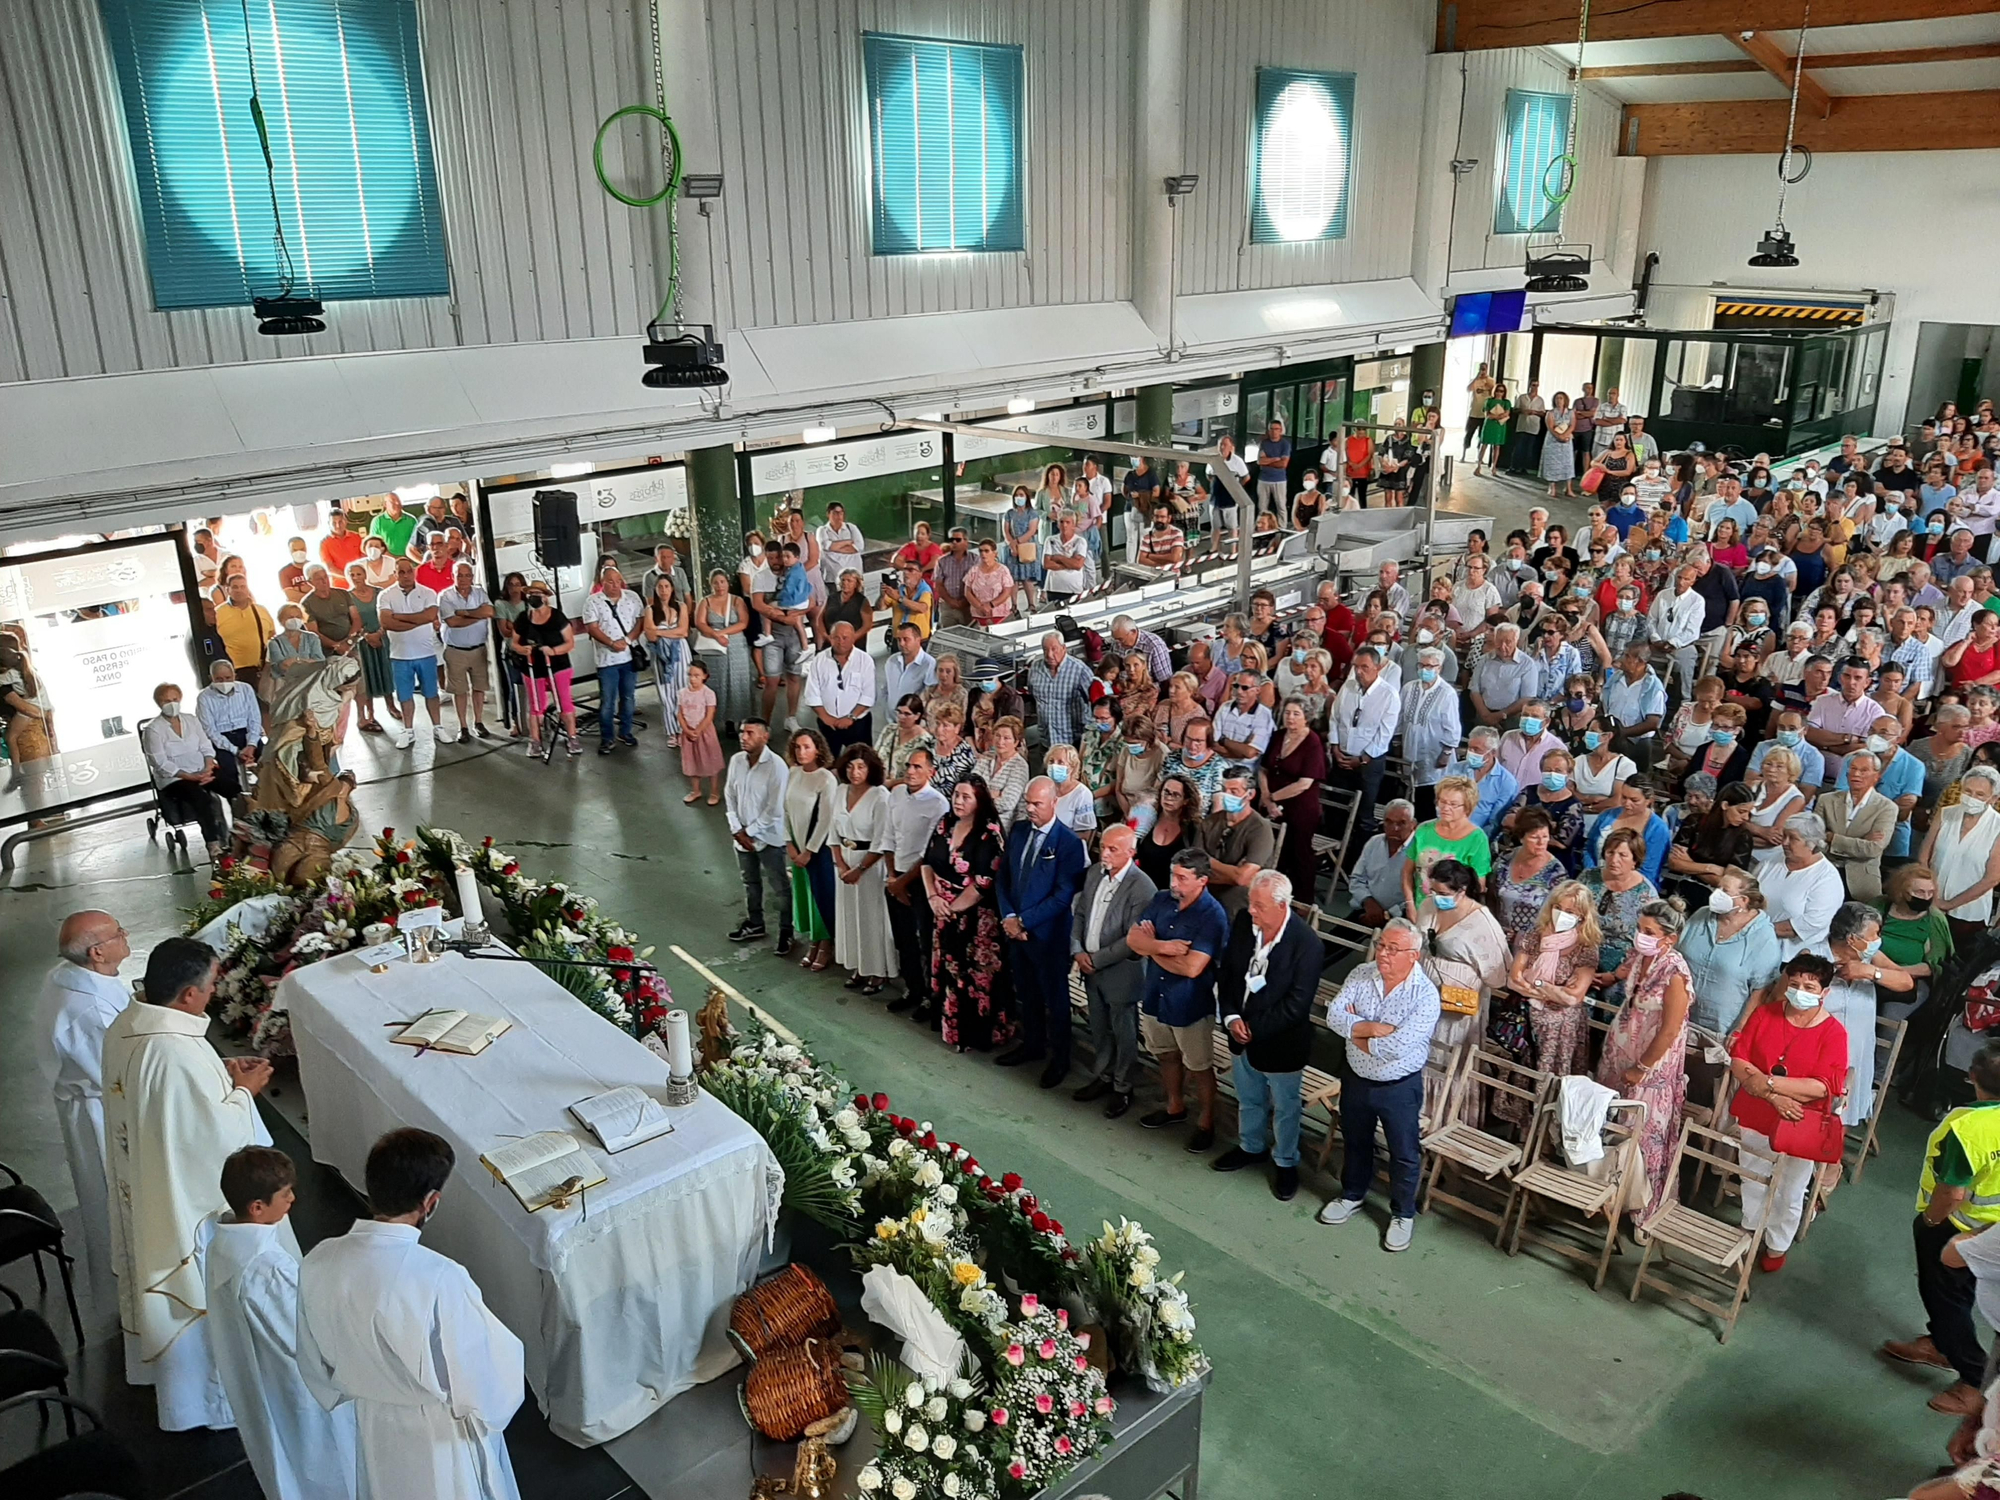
{"x": 1122, "y": 973}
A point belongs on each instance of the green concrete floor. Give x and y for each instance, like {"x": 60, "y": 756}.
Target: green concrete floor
{"x": 1452, "y": 1370}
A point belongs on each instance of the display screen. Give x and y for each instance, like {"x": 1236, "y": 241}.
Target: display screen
{"x": 1477, "y": 313}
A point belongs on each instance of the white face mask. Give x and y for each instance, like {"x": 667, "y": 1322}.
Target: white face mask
{"x": 172, "y": 709}
{"x": 1563, "y": 921}
{"x": 1721, "y": 902}
{"x": 298, "y": 554}
{"x": 1802, "y": 999}
{"x": 1878, "y": 745}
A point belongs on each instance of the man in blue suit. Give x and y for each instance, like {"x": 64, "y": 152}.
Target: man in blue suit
{"x": 1038, "y": 884}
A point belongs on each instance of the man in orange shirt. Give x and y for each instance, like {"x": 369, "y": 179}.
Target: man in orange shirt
{"x": 339, "y": 547}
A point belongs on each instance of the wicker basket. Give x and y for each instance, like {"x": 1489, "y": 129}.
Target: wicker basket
{"x": 788, "y": 1390}
{"x": 790, "y": 1308}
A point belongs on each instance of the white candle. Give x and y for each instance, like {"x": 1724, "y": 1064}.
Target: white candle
{"x": 680, "y": 1055}
{"x": 468, "y": 894}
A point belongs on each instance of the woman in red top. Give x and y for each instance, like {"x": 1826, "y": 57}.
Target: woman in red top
{"x": 920, "y": 550}
{"x": 1975, "y": 661}
{"x": 1790, "y": 1063}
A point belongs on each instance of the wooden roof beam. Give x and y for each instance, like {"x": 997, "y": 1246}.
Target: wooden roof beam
{"x": 1485, "y": 25}
{"x": 1761, "y": 49}
{"x": 1967, "y": 121}
{"x": 1816, "y": 62}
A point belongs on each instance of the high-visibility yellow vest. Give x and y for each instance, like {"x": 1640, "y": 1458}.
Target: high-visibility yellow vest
{"x": 1977, "y": 1127}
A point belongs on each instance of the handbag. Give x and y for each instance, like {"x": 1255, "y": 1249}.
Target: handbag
{"x": 1026, "y": 552}
{"x": 1819, "y": 1135}
{"x": 1592, "y": 478}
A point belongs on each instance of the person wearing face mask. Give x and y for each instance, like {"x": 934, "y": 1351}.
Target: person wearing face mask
{"x": 234, "y": 723}
{"x": 1554, "y": 965}
{"x": 1862, "y": 974}
{"x": 1429, "y": 724}
{"x": 182, "y": 760}
{"x": 1726, "y": 755}
{"x": 1645, "y": 1053}
{"x": 1732, "y": 955}
{"x": 1789, "y": 1060}
{"x": 292, "y": 573}
{"x": 1915, "y": 934}
{"x": 1522, "y": 749}
{"x": 290, "y": 654}
{"x": 1963, "y": 847}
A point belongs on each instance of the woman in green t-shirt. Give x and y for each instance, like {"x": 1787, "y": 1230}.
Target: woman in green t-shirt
{"x": 1915, "y": 934}
{"x": 1450, "y": 835}
{"x": 1493, "y": 431}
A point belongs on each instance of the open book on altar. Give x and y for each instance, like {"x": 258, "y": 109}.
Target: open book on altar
{"x": 548, "y": 1167}
{"x": 622, "y": 1117}
{"x": 453, "y": 1031}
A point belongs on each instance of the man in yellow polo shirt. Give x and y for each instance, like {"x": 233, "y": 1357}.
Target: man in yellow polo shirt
{"x": 1959, "y": 1193}
{"x": 246, "y": 629}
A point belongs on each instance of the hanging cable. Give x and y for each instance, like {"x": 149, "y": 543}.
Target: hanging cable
{"x": 670, "y": 159}
{"x": 1566, "y": 164}
{"x": 287, "y": 271}
{"x": 1785, "y": 178}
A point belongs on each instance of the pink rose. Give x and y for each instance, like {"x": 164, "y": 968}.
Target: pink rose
{"x": 1083, "y": 1340}
{"x": 1062, "y": 1317}
{"x": 1030, "y": 1305}
{"x": 1015, "y": 1354}
{"x": 1045, "y": 1403}
{"x": 1047, "y": 1349}
{"x": 1063, "y": 1445}
{"x": 1077, "y": 1408}
{"x": 1104, "y": 1405}
{"x": 1017, "y": 1470}
{"x": 999, "y": 1416}
{"x": 1082, "y": 1363}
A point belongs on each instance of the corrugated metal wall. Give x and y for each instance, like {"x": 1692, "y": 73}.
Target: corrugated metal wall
{"x": 792, "y": 117}
{"x": 1383, "y": 43}
{"x": 1587, "y": 217}
{"x": 516, "y": 89}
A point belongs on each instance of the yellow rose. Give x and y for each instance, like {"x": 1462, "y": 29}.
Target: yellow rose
{"x": 965, "y": 1273}
{"x": 916, "y": 1216}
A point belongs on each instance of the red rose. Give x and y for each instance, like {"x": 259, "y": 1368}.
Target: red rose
{"x": 388, "y": 833}
{"x": 988, "y": 1185}
{"x": 215, "y": 893}
{"x": 487, "y": 842}
{"x": 952, "y": 1147}
{"x": 620, "y": 955}
{"x": 226, "y": 863}
{"x": 402, "y": 856}
{"x": 880, "y": 1101}
{"x": 993, "y": 1191}
{"x": 929, "y": 1142}
{"x": 1055, "y": 1226}
{"x": 1028, "y": 1204}
{"x": 1041, "y": 1221}
{"x": 906, "y": 1127}
{"x": 971, "y": 1167}
{"x": 512, "y": 867}
{"x": 1011, "y": 1182}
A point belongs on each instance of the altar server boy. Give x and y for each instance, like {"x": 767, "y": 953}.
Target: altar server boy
{"x": 402, "y": 1332}
{"x": 298, "y": 1449}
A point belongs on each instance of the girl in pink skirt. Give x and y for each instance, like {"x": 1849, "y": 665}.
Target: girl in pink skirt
{"x": 701, "y": 750}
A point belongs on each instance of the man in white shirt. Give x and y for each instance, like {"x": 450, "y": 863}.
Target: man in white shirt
{"x": 467, "y": 613}
{"x": 840, "y": 545}
{"x": 910, "y": 668}
{"x": 402, "y": 1333}
{"x": 1097, "y": 490}
{"x": 80, "y": 999}
{"x": 1114, "y": 897}
{"x": 1377, "y": 878}
{"x": 1674, "y": 622}
{"x": 182, "y": 760}
{"x": 1243, "y": 725}
{"x": 614, "y": 618}
{"x": 840, "y": 690}
{"x": 1361, "y": 725}
{"x": 1960, "y": 606}
{"x": 915, "y": 810}
{"x": 1067, "y": 559}
{"x": 1218, "y": 493}
{"x": 234, "y": 723}
{"x": 1787, "y": 666}
{"x": 409, "y": 613}
{"x": 754, "y": 795}
{"x": 1388, "y": 578}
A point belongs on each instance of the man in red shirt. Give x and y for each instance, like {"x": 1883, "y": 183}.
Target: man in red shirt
{"x": 339, "y": 547}
{"x": 435, "y": 572}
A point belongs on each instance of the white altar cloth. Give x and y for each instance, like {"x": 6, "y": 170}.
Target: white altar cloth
{"x": 614, "y": 1296}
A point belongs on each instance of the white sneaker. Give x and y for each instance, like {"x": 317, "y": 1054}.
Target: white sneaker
{"x": 1398, "y": 1237}
{"x": 1339, "y": 1211}
{"x": 406, "y": 739}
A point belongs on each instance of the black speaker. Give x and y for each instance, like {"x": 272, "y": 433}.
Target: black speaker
{"x": 556, "y": 542}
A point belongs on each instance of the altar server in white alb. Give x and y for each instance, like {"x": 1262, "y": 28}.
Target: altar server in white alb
{"x": 297, "y": 1448}
{"x": 174, "y": 1111}
{"x": 403, "y": 1333}
{"x": 81, "y": 998}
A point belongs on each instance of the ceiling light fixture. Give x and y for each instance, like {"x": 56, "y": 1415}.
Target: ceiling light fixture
{"x": 569, "y": 471}
{"x": 683, "y": 355}
{"x": 1560, "y": 268}
{"x": 277, "y": 316}
{"x": 1019, "y": 406}
{"x": 1775, "y": 248}
{"x": 819, "y": 435}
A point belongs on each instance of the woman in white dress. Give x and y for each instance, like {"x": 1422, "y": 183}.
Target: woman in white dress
{"x": 1861, "y": 972}
{"x": 1963, "y": 848}
{"x": 862, "y": 939}
{"x": 1778, "y": 801}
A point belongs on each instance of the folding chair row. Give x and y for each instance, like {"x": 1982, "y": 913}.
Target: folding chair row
{"x": 1596, "y": 1190}
{"x": 1468, "y": 1150}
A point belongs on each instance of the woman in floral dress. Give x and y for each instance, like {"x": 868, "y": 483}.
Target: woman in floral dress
{"x": 1645, "y": 1056}
{"x": 1554, "y": 964}
{"x": 968, "y": 972}
{"x": 1620, "y": 892}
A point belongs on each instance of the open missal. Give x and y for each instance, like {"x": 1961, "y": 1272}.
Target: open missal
{"x": 453, "y": 1031}
{"x": 548, "y": 1167}
{"x": 622, "y": 1117}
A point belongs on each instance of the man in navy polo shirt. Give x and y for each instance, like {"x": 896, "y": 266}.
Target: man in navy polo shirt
{"x": 1181, "y": 937}
{"x": 1274, "y": 465}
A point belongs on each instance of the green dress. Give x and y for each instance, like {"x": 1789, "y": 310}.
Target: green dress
{"x": 1493, "y": 431}
{"x": 376, "y": 672}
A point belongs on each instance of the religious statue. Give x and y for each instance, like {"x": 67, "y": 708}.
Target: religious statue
{"x": 303, "y": 808}
{"x": 717, "y": 1035}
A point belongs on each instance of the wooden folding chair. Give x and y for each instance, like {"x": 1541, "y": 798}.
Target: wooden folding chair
{"x": 1720, "y": 1255}
{"x": 1888, "y": 1049}
{"x": 1337, "y": 809}
{"x": 1468, "y": 1149}
{"x": 1588, "y": 1192}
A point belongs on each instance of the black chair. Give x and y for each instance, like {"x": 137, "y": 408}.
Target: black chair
{"x": 28, "y": 1226}
{"x": 92, "y": 1463}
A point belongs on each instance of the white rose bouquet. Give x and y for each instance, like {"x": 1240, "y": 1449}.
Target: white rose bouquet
{"x": 1147, "y": 1312}
{"x": 935, "y": 1440}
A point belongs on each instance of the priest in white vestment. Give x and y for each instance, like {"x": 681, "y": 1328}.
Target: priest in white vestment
{"x": 402, "y": 1332}
{"x": 173, "y": 1113}
{"x": 82, "y": 996}
{"x": 297, "y": 1448}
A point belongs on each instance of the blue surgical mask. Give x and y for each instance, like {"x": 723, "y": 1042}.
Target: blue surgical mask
{"x": 1531, "y": 726}
{"x": 1135, "y": 748}
{"x": 1652, "y": 554}
{"x": 1427, "y": 674}
{"x": 1474, "y": 759}
{"x": 1790, "y": 738}
{"x": 1554, "y": 781}
{"x": 1873, "y": 949}
{"x": 989, "y": 687}
{"x": 1578, "y": 705}
{"x": 1592, "y": 739}
{"x": 1582, "y": 591}
{"x": 1231, "y": 803}
{"x": 1723, "y": 737}
{"x": 1299, "y": 656}
{"x": 1020, "y": 499}
{"x": 1443, "y": 902}
{"x": 1059, "y": 774}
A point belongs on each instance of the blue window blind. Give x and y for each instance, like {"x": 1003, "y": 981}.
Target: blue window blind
{"x": 945, "y": 144}
{"x": 1303, "y": 159}
{"x": 342, "y": 90}
{"x": 1537, "y": 136}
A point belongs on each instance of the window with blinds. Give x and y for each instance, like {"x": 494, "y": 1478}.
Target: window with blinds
{"x": 1303, "y": 156}
{"x": 1531, "y": 182}
{"x": 945, "y": 144}
{"x": 341, "y": 84}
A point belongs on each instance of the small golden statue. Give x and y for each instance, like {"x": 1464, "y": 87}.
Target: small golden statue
{"x": 813, "y": 1474}
{"x": 713, "y": 1019}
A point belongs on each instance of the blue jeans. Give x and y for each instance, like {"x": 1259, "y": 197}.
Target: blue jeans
{"x": 617, "y": 686}
{"x": 1397, "y": 1106}
{"x": 1258, "y": 1097}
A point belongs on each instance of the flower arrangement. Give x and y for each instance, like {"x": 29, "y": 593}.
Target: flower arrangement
{"x": 937, "y": 1443}
{"x": 1149, "y": 1313}
{"x": 799, "y": 1107}
{"x": 1049, "y": 1409}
